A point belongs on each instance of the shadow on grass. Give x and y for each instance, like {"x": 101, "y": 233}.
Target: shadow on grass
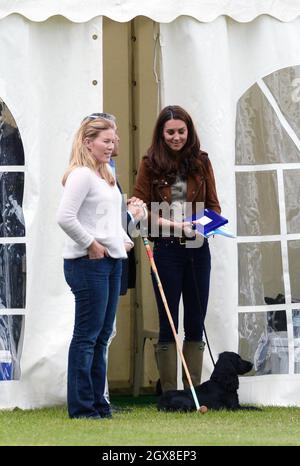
{"x": 127, "y": 400}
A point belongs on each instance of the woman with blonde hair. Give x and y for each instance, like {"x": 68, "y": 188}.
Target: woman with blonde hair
{"x": 96, "y": 243}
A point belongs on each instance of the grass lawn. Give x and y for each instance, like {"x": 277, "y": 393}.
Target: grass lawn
{"x": 144, "y": 425}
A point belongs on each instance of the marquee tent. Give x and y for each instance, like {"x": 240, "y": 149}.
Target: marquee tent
{"x": 235, "y": 66}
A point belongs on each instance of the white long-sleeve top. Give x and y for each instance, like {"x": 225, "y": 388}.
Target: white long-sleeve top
{"x": 90, "y": 209}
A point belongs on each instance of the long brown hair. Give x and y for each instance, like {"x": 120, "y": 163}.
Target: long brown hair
{"x": 81, "y": 156}
{"x": 159, "y": 158}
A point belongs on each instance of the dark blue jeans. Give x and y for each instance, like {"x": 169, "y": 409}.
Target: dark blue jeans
{"x": 95, "y": 284}
{"x": 180, "y": 270}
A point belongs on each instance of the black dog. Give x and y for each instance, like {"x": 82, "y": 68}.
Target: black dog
{"x": 220, "y": 392}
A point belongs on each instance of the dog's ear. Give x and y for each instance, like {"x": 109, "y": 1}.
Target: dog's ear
{"x": 225, "y": 373}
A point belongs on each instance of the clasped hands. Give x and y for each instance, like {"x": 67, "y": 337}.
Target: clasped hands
{"x": 137, "y": 208}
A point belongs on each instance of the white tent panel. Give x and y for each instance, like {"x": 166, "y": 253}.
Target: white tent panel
{"x": 46, "y": 80}
{"x": 210, "y": 70}
{"x": 160, "y": 11}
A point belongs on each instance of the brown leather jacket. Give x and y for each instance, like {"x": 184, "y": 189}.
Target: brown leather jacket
{"x": 200, "y": 188}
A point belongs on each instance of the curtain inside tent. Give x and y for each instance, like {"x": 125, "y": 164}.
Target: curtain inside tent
{"x": 50, "y": 78}
{"x": 241, "y": 84}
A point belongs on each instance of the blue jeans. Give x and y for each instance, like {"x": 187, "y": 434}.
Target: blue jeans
{"x": 180, "y": 270}
{"x": 95, "y": 284}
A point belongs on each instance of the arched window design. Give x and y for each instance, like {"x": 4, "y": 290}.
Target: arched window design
{"x": 12, "y": 246}
{"x": 268, "y": 222}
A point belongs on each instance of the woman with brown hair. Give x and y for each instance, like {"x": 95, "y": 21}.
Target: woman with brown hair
{"x": 176, "y": 173}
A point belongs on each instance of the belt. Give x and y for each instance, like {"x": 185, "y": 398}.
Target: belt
{"x": 182, "y": 241}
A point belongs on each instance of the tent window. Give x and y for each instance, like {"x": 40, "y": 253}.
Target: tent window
{"x": 268, "y": 222}
{"x": 294, "y": 269}
{"x": 261, "y": 138}
{"x": 296, "y": 332}
{"x": 13, "y": 271}
{"x": 284, "y": 85}
{"x": 11, "y": 214}
{"x": 260, "y": 272}
{"x": 292, "y": 199}
{"x": 263, "y": 340}
{"x": 11, "y": 329}
{"x": 12, "y": 251}
{"x": 257, "y": 203}
{"x": 11, "y": 147}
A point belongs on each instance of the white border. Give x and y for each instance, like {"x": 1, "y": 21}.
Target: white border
{"x": 80, "y": 11}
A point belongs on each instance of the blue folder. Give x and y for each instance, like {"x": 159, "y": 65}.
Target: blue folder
{"x": 210, "y": 223}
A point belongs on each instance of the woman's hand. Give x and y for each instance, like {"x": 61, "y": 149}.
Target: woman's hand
{"x": 186, "y": 228}
{"x": 128, "y": 246}
{"x": 97, "y": 251}
{"x": 137, "y": 208}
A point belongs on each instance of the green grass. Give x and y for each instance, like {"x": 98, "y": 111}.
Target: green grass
{"x": 147, "y": 426}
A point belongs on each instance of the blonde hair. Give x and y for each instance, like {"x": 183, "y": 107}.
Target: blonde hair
{"x": 81, "y": 156}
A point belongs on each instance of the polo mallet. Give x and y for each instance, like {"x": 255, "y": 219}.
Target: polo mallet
{"x": 201, "y": 409}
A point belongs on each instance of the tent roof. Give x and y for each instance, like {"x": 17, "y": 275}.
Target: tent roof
{"x": 162, "y": 11}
